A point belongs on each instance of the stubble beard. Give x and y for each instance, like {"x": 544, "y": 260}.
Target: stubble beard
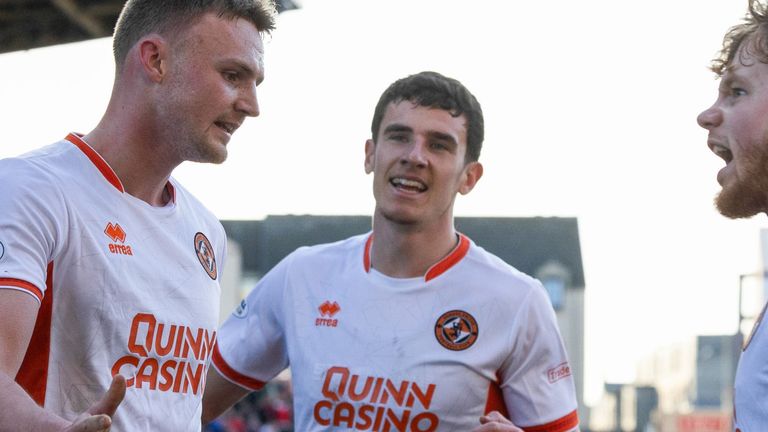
{"x": 193, "y": 147}
{"x": 748, "y": 195}
{"x": 199, "y": 150}
{"x": 187, "y": 142}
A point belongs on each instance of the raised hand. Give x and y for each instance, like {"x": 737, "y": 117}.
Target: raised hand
{"x": 98, "y": 418}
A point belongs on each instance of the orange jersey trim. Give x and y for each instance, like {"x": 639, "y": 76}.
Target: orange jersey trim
{"x": 459, "y": 252}
{"x": 33, "y": 373}
{"x": 233, "y": 375}
{"x": 97, "y": 160}
{"x": 495, "y": 401}
{"x": 562, "y": 424}
{"x": 26, "y": 286}
{"x": 367, "y": 254}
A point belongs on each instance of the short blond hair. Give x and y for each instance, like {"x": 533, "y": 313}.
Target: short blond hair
{"x": 142, "y": 17}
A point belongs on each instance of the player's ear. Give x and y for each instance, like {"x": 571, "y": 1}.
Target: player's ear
{"x": 472, "y": 173}
{"x": 153, "y": 56}
{"x": 370, "y": 159}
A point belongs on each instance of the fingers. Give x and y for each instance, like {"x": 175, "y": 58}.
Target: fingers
{"x": 96, "y": 423}
{"x": 495, "y": 422}
{"x": 111, "y": 399}
{"x": 494, "y": 416}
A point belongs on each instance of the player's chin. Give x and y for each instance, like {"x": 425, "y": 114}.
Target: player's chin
{"x": 739, "y": 201}
{"x": 401, "y": 217}
{"x": 219, "y": 157}
{"x": 214, "y": 153}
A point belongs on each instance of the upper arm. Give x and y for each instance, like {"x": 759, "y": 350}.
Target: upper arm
{"x": 220, "y": 394}
{"x": 33, "y": 220}
{"x": 536, "y": 380}
{"x": 250, "y": 345}
{"x": 18, "y": 313}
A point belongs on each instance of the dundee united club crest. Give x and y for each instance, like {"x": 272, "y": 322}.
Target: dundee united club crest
{"x": 205, "y": 255}
{"x": 456, "y": 330}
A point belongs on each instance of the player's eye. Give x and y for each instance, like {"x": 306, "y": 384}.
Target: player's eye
{"x": 738, "y": 91}
{"x": 231, "y": 76}
{"x": 398, "y": 137}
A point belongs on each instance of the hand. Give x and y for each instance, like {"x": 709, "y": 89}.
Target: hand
{"x": 495, "y": 422}
{"x": 98, "y": 418}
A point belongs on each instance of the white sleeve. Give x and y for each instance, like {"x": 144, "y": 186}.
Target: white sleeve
{"x": 251, "y": 346}
{"x": 33, "y": 220}
{"x": 536, "y": 379}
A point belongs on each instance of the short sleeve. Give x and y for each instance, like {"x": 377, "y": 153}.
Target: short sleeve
{"x": 32, "y": 217}
{"x": 251, "y": 347}
{"x": 536, "y": 379}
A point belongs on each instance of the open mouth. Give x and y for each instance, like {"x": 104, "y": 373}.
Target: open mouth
{"x": 227, "y": 127}
{"x": 408, "y": 184}
{"x": 722, "y": 152}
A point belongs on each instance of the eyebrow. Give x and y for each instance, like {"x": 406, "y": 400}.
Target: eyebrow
{"x": 242, "y": 67}
{"x": 396, "y": 127}
{"x": 443, "y": 136}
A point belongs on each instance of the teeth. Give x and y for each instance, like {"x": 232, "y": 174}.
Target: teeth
{"x": 226, "y": 126}
{"x": 408, "y": 183}
{"x": 722, "y": 152}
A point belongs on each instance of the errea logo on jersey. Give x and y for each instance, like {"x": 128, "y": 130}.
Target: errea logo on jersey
{"x": 116, "y": 233}
{"x": 327, "y": 311}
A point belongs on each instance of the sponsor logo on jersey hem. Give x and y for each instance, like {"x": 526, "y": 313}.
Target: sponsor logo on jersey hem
{"x": 456, "y": 330}
{"x": 205, "y": 255}
{"x": 327, "y": 311}
{"x": 558, "y": 372}
{"x": 2, "y": 250}
{"x": 117, "y": 234}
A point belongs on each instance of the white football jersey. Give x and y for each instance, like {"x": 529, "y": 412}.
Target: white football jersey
{"x": 124, "y": 287}
{"x": 373, "y": 353}
{"x": 751, "y": 387}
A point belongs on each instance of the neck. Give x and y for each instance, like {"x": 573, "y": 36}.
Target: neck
{"x": 406, "y": 251}
{"x": 125, "y": 147}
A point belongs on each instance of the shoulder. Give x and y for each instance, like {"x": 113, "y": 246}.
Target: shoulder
{"x": 497, "y": 270}
{"x": 38, "y": 174}
{"x": 185, "y": 197}
{"x": 194, "y": 208}
{"x": 327, "y": 255}
{"x": 42, "y": 163}
{"x": 502, "y": 282}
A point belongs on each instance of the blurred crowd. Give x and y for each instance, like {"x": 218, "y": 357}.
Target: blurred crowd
{"x": 268, "y": 410}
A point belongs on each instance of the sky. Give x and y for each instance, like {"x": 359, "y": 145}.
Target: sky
{"x": 590, "y": 112}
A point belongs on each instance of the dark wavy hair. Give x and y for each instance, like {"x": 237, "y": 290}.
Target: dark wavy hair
{"x": 433, "y": 90}
{"x": 751, "y": 34}
{"x": 142, "y": 17}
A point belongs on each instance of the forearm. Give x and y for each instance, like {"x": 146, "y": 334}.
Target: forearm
{"x": 19, "y": 413}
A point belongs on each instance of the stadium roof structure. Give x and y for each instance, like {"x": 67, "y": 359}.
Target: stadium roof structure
{"x": 528, "y": 244}
{"x": 27, "y": 24}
